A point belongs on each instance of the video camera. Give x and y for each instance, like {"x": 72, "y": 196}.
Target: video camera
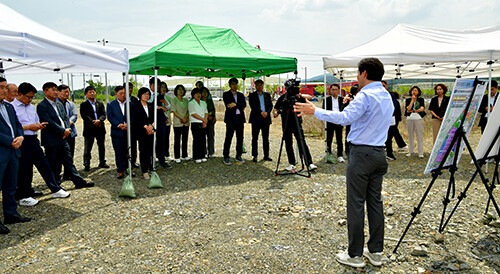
{"x": 290, "y": 97}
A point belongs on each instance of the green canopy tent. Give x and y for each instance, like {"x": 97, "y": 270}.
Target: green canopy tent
{"x": 197, "y": 50}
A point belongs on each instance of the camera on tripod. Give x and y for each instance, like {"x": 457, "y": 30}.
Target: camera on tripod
{"x": 292, "y": 89}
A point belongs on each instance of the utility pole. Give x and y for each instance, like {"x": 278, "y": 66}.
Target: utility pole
{"x": 104, "y": 42}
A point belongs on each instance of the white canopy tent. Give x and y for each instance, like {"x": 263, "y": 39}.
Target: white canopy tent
{"x": 28, "y": 47}
{"x": 412, "y": 52}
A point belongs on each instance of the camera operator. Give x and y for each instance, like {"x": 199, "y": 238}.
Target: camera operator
{"x": 369, "y": 115}
{"x": 284, "y": 106}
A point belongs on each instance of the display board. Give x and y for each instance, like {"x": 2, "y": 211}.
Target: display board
{"x": 489, "y": 133}
{"x": 460, "y": 95}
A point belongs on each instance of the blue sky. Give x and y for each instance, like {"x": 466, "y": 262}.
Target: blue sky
{"x": 302, "y": 29}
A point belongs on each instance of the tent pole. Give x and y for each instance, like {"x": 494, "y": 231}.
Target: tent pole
{"x": 107, "y": 88}
{"x": 324, "y": 102}
{"x": 155, "y": 117}
{"x": 129, "y": 137}
{"x": 490, "y": 63}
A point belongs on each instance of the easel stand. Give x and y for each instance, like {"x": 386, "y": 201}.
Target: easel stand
{"x": 302, "y": 146}
{"x": 460, "y": 135}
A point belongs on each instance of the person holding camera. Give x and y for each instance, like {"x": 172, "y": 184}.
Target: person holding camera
{"x": 369, "y": 115}
{"x": 284, "y": 106}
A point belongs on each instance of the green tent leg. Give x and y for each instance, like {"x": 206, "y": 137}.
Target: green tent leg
{"x": 155, "y": 181}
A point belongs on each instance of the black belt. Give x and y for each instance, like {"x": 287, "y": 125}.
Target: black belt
{"x": 354, "y": 145}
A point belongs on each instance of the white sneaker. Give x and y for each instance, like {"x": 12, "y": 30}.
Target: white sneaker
{"x": 186, "y": 158}
{"x": 61, "y": 194}
{"x": 170, "y": 158}
{"x": 403, "y": 148}
{"x": 344, "y": 258}
{"x": 28, "y": 202}
{"x": 312, "y": 167}
{"x": 421, "y": 155}
{"x": 178, "y": 161}
{"x": 341, "y": 159}
{"x": 408, "y": 155}
{"x": 204, "y": 159}
{"x": 211, "y": 156}
{"x": 198, "y": 161}
{"x": 374, "y": 258}
{"x": 291, "y": 167}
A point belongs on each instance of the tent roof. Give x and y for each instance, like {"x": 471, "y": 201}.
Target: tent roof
{"x": 420, "y": 52}
{"x": 209, "y": 51}
{"x": 28, "y": 47}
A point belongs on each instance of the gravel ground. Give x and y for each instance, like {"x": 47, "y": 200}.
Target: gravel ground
{"x": 241, "y": 218}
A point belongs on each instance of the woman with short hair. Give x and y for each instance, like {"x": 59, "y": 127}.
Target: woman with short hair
{"x": 437, "y": 108}
{"x": 415, "y": 112}
{"x": 181, "y": 123}
{"x": 199, "y": 118}
{"x": 143, "y": 123}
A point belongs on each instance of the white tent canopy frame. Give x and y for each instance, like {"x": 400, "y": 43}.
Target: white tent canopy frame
{"x": 28, "y": 48}
{"x": 414, "y": 52}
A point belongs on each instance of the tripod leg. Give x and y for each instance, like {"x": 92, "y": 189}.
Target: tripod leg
{"x": 492, "y": 186}
{"x": 483, "y": 179}
{"x": 446, "y": 199}
{"x": 460, "y": 197}
{"x": 416, "y": 210}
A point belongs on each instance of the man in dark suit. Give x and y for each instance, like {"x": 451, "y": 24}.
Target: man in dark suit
{"x": 31, "y": 152}
{"x": 483, "y": 108}
{"x": 235, "y": 119}
{"x": 334, "y": 102}
{"x": 55, "y": 133}
{"x": 11, "y": 139}
{"x": 117, "y": 116}
{"x": 261, "y": 106}
{"x": 93, "y": 114}
{"x": 63, "y": 97}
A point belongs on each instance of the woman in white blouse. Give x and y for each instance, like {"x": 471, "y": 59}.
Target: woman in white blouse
{"x": 199, "y": 119}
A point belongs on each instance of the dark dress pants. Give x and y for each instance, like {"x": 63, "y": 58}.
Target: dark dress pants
{"x": 167, "y": 141}
{"x": 210, "y": 138}
{"x": 364, "y": 175}
{"x": 199, "y": 140}
{"x": 8, "y": 183}
{"x": 121, "y": 152}
{"x": 287, "y": 135}
{"x": 89, "y": 143}
{"x": 232, "y": 127}
{"x": 180, "y": 133}
{"x": 32, "y": 154}
{"x": 71, "y": 143}
{"x": 388, "y": 143}
{"x": 58, "y": 156}
{"x": 256, "y": 128}
{"x": 146, "y": 153}
{"x": 397, "y": 136}
{"x": 337, "y": 130}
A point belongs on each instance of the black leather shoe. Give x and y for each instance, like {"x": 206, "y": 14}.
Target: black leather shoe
{"x": 37, "y": 193}
{"x": 104, "y": 165}
{"x": 135, "y": 165}
{"x": 268, "y": 159}
{"x": 254, "y": 159}
{"x": 166, "y": 166}
{"x": 3, "y": 229}
{"x": 87, "y": 168}
{"x": 16, "y": 218}
{"x": 84, "y": 185}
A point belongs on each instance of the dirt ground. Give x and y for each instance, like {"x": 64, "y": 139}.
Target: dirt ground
{"x": 243, "y": 219}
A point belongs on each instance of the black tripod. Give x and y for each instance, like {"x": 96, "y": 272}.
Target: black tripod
{"x": 460, "y": 135}
{"x": 300, "y": 140}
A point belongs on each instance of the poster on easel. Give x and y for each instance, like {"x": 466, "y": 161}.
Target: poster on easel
{"x": 488, "y": 136}
{"x": 463, "y": 89}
